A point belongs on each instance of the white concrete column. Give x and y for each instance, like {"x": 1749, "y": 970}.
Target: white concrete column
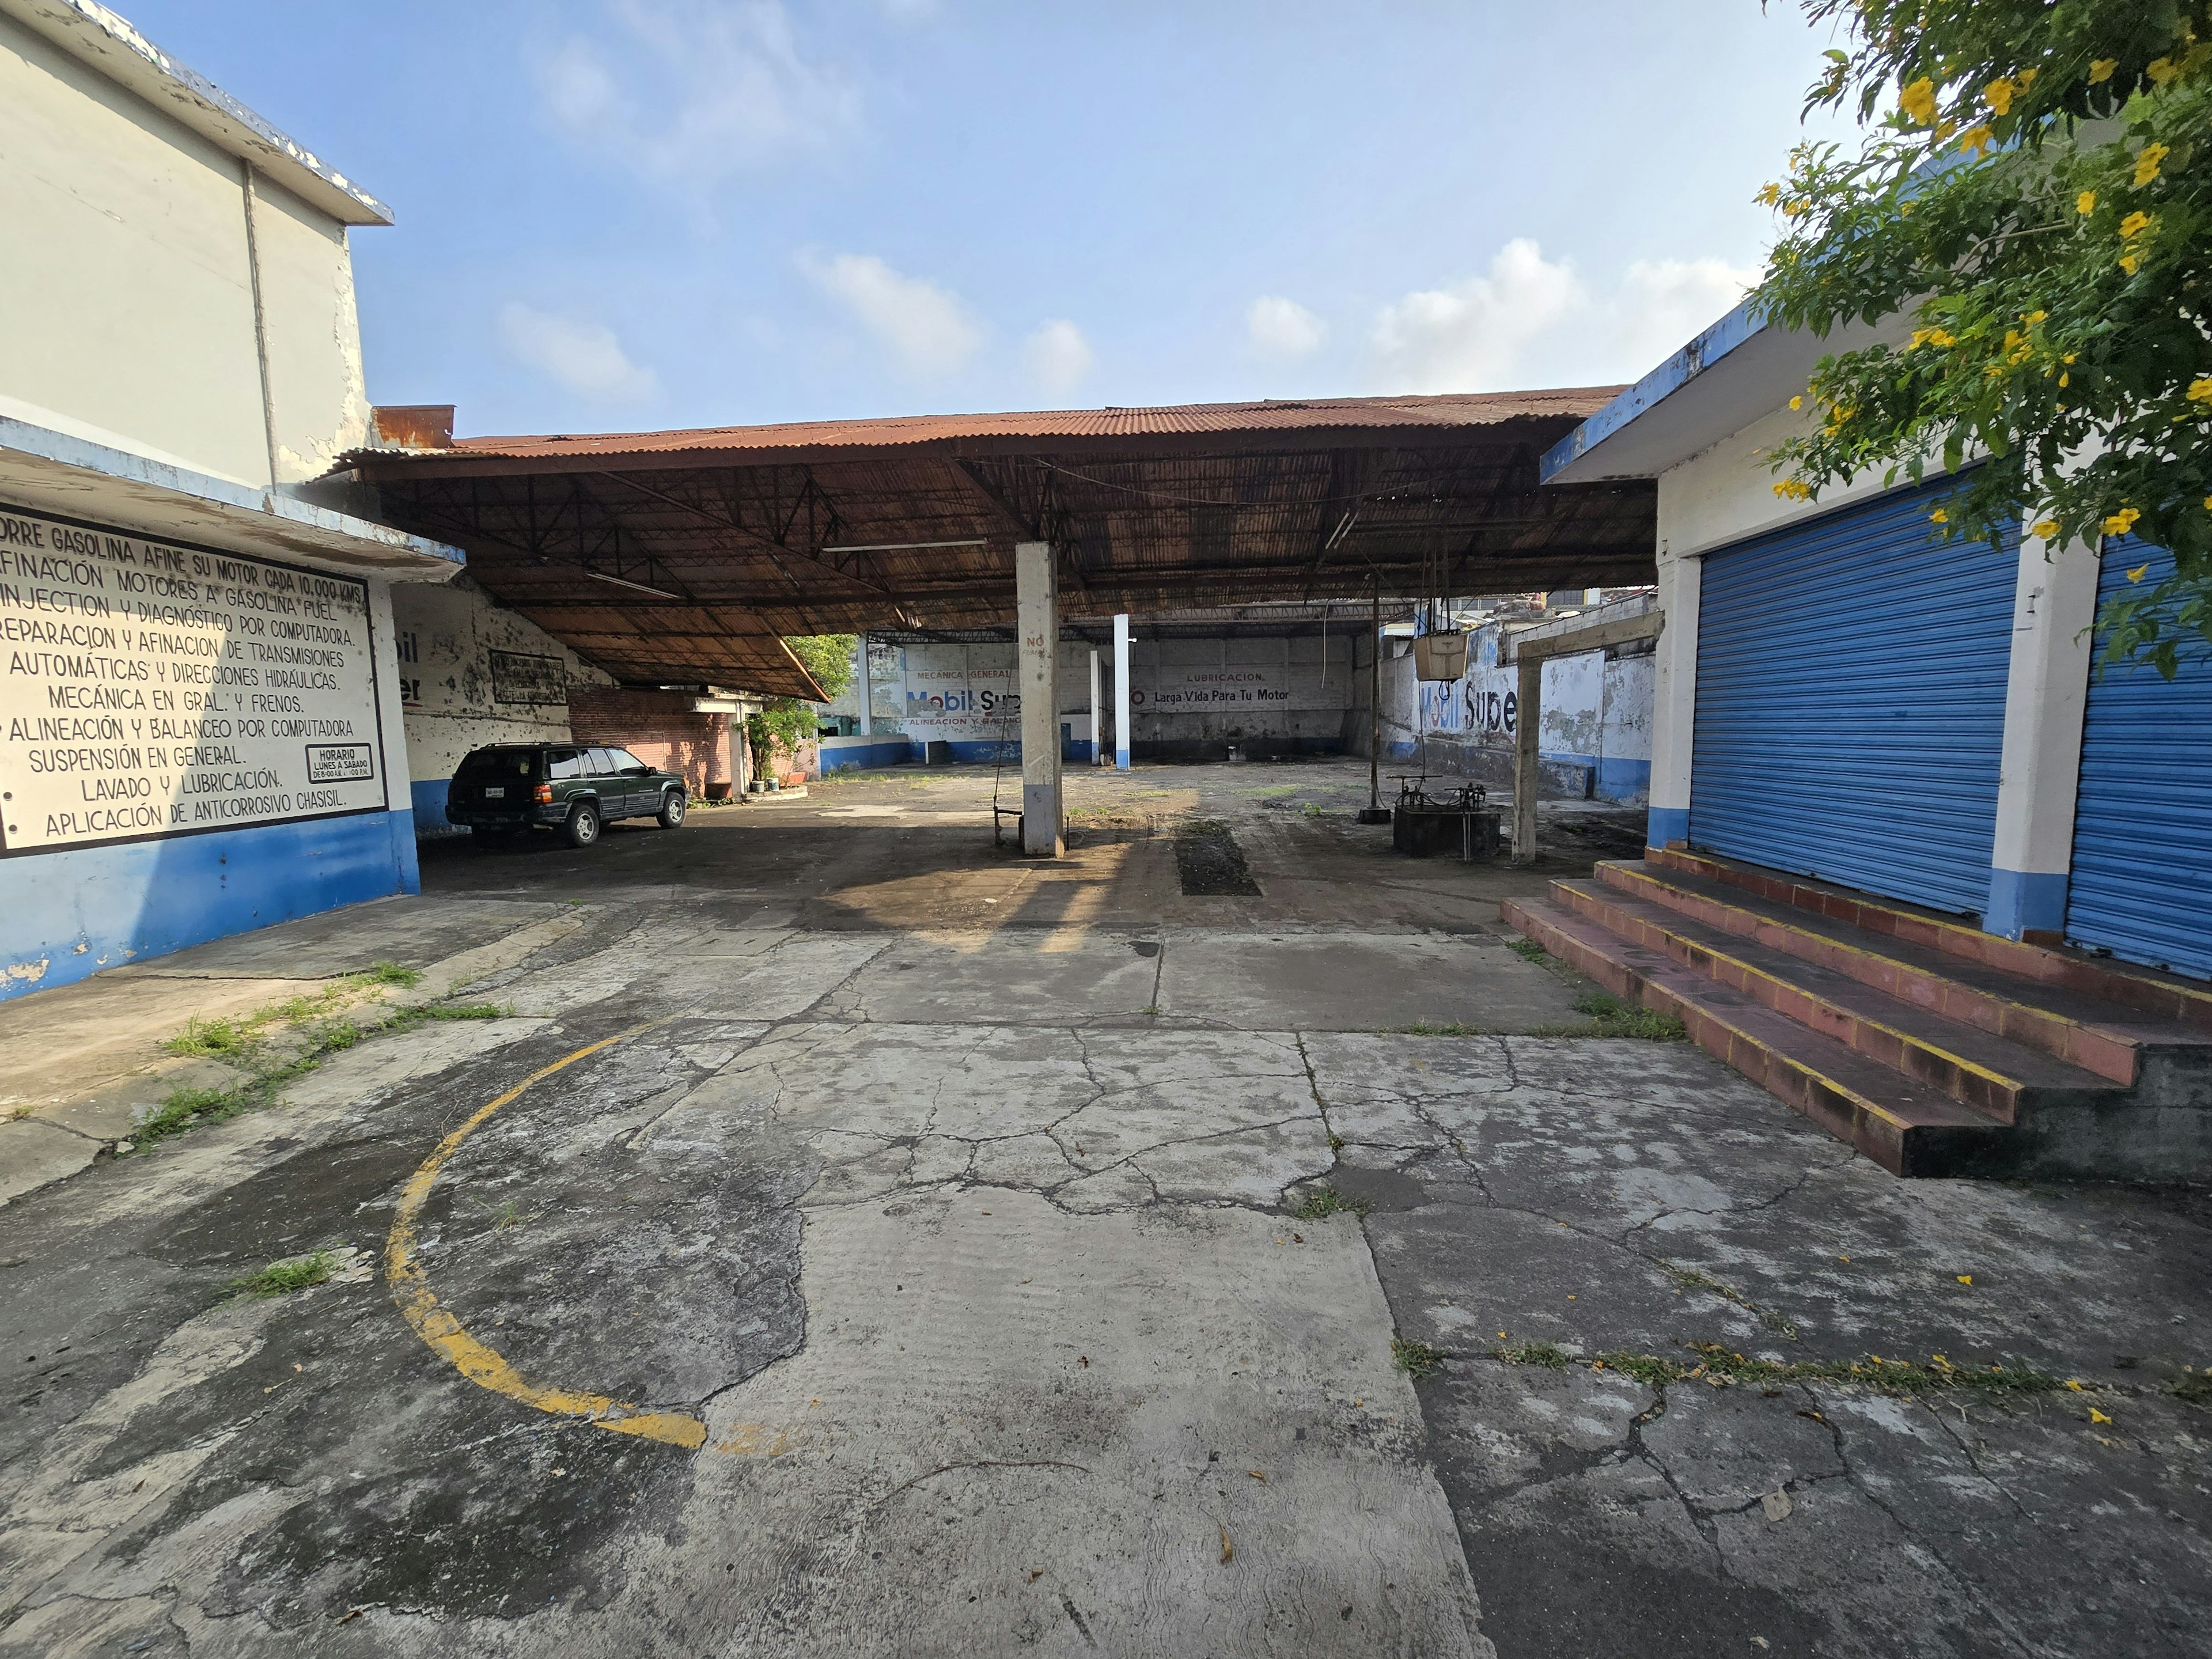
{"x": 1122, "y": 691}
{"x": 2047, "y": 688}
{"x": 1037, "y": 589}
{"x": 1098, "y": 731}
{"x": 867, "y": 693}
{"x": 1674, "y": 700}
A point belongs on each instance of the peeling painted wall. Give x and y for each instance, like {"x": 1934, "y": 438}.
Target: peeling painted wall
{"x": 1595, "y": 724}
{"x": 471, "y": 673}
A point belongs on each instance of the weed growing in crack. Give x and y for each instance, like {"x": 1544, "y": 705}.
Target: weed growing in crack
{"x": 1720, "y": 1367}
{"x": 1547, "y": 1354}
{"x": 1417, "y": 1359}
{"x": 1690, "y": 1279}
{"x": 1325, "y": 1201}
{"x": 1528, "y": 950}
{"x": 283, "y": 1278}
{"x": 1457, "y": 1029}
{"x": 1336, "y": 1142}
{"x": 236, "y": 1036}
{"x": 185, "y": 1108}
{"x": 1609, "y": 1017}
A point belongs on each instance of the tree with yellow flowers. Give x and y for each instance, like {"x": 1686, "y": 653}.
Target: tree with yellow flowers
{"x": 2034, "y": 192}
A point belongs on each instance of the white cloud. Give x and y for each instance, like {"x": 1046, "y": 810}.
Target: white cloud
{"x": 925, "y": 326}
{"x": 1058, "y": 357}
{"x": 1530, "y": 321}
{"x": 1277, "y": 327}
{"x": 1664, "y": 304}
{"x": 688, "y": 93}
{"x": 1472, "y": 337}
{"x": 584, "y": 358}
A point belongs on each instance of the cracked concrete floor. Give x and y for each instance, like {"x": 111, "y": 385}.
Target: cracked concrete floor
{"x": 983, "y": 1289}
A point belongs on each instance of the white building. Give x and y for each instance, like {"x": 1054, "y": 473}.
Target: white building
{"x": 1842, "y": 693}
{"x": 200, "y": 718}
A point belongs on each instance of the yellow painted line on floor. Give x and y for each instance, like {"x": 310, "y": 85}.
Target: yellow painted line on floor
{"x": 480, "y": 1363}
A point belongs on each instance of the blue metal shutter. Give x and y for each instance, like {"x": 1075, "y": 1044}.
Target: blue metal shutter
{"x": 2141, "y": 885}
{"x": 1851, "y": 701}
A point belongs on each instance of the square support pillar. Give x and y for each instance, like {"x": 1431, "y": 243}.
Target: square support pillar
{"x": 1528, "y": 720}
{"x": 1674, "y": 701}
{"x": 1036, "y": 593}
{"x": 867, "y": 693}
{"x": 1121, "y": 692}
{"x": 2046, "y": 695}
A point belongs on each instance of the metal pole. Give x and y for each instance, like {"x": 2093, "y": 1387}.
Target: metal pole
{"x": 1375, "y": 707}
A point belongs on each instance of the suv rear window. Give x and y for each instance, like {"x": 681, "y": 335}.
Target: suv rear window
{"x": 490, "y": 765}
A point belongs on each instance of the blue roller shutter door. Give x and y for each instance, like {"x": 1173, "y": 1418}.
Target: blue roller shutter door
{"x": 2141, "y": 882}
{"x": 1850, "y": 702}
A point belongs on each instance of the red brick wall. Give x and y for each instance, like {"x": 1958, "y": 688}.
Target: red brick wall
{"x": 659, "y": 727}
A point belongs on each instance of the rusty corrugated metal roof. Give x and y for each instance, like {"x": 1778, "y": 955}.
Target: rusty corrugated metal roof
{"x": 1461, "y": 409}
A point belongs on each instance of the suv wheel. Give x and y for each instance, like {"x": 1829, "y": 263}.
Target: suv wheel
{"x": 583, "y": 825}
{"x": 672, "y": 810}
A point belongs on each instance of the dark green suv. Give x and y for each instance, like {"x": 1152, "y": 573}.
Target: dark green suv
{"x": 579, "y": 787}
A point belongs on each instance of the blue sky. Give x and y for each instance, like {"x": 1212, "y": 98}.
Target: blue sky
{"x": 624, "y": 213}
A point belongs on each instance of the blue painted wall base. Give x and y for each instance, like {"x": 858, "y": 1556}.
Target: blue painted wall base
{"x": 2025, "y": 902}
{"x": 72, "y": 913}
{"x": 1665, "y": 824}
{"x": 429, "y": 796}
{"x": 852, "y": 754}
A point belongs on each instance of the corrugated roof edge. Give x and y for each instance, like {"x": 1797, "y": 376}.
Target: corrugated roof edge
{"x": 1731, "y": 331}
{"x": 109, "y": 43}
{"x": 1110, "y": 423}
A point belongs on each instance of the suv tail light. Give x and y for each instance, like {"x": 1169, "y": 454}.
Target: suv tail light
{"x": 543, "y": 794}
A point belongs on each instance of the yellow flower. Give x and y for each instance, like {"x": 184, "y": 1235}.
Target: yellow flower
{"x": 2086, "y": 202}
{"x": 2200, "y": 391}
{"x": 2064, "y": 378}
{"x": 2129, "y": 261}
{"x": 1769, "y": 194}
{"x": 2136, "y": 574}
{"x": 2102, "y": 69}
{"x": 2025, "y": 79}
{"x": 2073, "y": 1384}
{"x": 1934, "y": 336}
{"x": 1918, "y": 100}
{"x": 2122, "y": 521}
{"x": 2161, "y": 70}
{"x": 1999, "y": 93}
{"x": 2034, "y": 317}
{"x": 1966, "y": 1278}
{"x": 1976, "y": 138}
{"x": 2096, "y": 1416}
{"x": 2046, "y": 528}
{"x": 1939, "y": 516}
{"x": 2208, "y": 503}
{"x": 1798, "y": 403}
{"x": 2134, "y": 225}
{"x": 1794, "y": 490}
{"x": 2147, "y": 163}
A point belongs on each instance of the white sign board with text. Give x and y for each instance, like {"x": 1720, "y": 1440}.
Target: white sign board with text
{"x": 151, "y": 689}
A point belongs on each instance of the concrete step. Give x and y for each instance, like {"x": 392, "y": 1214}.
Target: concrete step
{"x": 2097, "y": 1034}
{"x": 1988, "y": 1072}
{"x": 1906, "y": 1126}
{"x": 2162, "y": 998}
